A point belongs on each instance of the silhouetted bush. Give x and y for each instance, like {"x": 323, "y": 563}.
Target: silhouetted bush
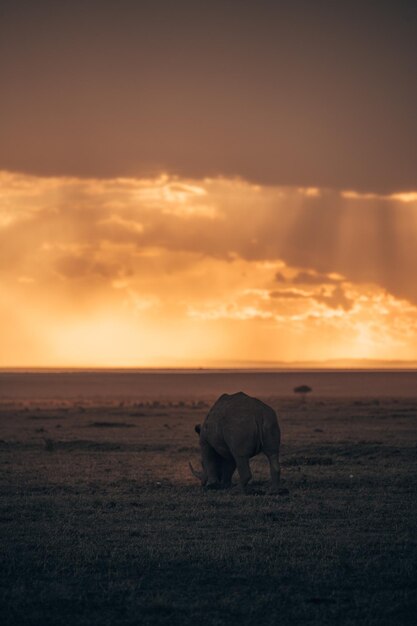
{"x": 303, "y": 390}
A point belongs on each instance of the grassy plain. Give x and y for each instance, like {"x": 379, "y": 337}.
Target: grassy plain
{"x": 102, "y": 523}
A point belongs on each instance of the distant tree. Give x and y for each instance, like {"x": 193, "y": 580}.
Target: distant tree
{"x": 303, "y": 390}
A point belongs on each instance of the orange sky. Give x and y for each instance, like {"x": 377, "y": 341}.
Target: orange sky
{"x": 207, "y": 183}
{"x": 169, "y": 271}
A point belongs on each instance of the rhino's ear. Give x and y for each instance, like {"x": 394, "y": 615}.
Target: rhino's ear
{"x": 197, "y": 428}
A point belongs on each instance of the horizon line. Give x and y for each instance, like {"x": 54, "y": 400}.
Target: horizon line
{"x": 281, "y": 368}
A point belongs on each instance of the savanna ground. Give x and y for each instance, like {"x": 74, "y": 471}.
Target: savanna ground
{"x": 102, "y": 523}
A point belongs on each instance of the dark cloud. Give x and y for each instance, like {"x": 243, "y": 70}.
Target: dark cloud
{"x": 335, "y": 300}
{"x": 309, "y": 278}
{"x": 288, "y": 294}
{"x": 280, "y": 278}
{"x": 205, "y": 89}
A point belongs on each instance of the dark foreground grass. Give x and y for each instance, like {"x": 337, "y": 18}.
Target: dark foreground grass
{"x": 96, "y": 534}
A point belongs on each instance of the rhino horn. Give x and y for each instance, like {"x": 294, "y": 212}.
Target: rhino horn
{"x": 195, "y": 473}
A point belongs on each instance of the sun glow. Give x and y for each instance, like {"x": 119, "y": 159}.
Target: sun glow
{"x": 165, "y": 271}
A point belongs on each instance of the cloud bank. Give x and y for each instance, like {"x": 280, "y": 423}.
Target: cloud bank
{"x": 149, "y": 271}
{"x": 295, "y": 93}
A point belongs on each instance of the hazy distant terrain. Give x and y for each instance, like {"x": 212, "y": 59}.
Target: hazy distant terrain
{"x": 197, "y": 384}
{"x": 102, "y": 523}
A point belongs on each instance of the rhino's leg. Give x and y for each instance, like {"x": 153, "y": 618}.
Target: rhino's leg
{"x": 211, "y": 464}
{"x": 228, "y": 468}
{"x": 243, "y": 468}
{"x": 275, "y": 472}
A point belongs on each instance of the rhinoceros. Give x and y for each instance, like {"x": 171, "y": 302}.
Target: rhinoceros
{"x": 236, "y": 428}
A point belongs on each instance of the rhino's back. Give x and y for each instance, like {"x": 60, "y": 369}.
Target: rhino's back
{"x": 242, "y": 425}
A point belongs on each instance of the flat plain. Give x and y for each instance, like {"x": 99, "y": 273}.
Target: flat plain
{"x": 102, "y": 522}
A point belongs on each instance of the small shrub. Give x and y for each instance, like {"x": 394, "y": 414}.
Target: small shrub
{"x": 303, "y": 390}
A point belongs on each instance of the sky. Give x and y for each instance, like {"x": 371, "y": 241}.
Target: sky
{"x": 207, "y": 184}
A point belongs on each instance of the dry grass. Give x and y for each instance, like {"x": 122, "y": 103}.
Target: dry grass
{"x": 102, "y": 524}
